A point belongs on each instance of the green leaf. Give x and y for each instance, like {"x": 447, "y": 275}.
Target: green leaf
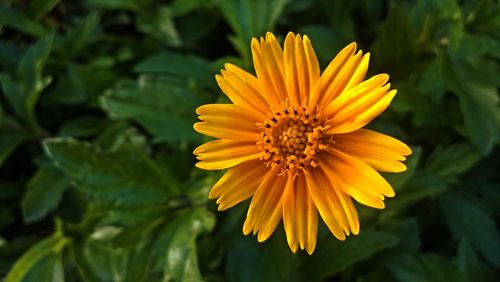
{"x": 77, "y": 38}
{"x": 139, "y": 266}
{"x": 468, "y": 262}
{"x": 13, "y": 250}
{"x": 126, "y": 178}
{"x": 479, "y": 104}
{"x": 249, "y": 261}
{"x": 464, "y": 45}
{"x": 408, "y": 232}
{"x": 83, "y": 126}
{"x": 452, "y": 160}
{"x": 106, "y": 262}
{"x": 159, "y": 23}
{"x": 81, "y": 83}
{"x": 445, "y": 10}
{"x": 423, "y": 184}
{"x": 40, "y": 8}
{"x": 166, "y": 110}
{"x": 182, "y": 7}
{"x": 118, "y": 135}
{"x": 250, "y": 18}
{"x": 71, "y": 88}
{"x": 334, "y": 256}
{"x": 179, "y": 238}
{"x": 465, "y": 219}
{"x": 43, "y": 194}
{"x": 490, "y": 196}
{"x": 470, "y": 265}
{"x": 133, "y": 5}
{"x": 23, "y": 93}
{"x": 396, "y": 43}
{"x": 177, "y": 65}
{"x": 50, "y": 268}
{"x": 433, "y": 79}
{"x": 14, "y": 94}
{"x": 486, "y": 18}
{"x": 10, "y": 55}
{"x": 427, "y": 267}
{"x": 11, "y": 136}
{"x": 11, "y": 18}
{"x": 31, "y": 66}
{"x": 42, "y": 250}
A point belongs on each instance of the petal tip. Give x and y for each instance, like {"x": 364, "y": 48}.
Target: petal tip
{"x": 310, "y": 250}
{"x": 247, "y": 227}
{"x": 352, "y": 46}
{"x": 270, "y": 36}
{"x": 197, "y": 126}
{"x": 407, "y": 150}
{"x": 254, "y": 44}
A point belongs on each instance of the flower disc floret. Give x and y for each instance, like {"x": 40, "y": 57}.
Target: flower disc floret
{"x": 292, "y": 138}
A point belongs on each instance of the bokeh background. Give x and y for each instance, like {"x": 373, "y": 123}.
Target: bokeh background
{"x": 97, "y": 176}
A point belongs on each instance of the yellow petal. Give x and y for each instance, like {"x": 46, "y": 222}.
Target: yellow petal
{"x": 238, "y": 184}
{"x": 382, "y": 152}
{"x": 289, "y": 214}
{"x": 221, "y": 154}
{"x": 242, "y": 88}
{"x": 347, "y": 98}
{"x": 359, "y": 109}
{"x": 230, "y": 111}
{"x": 312, "y": 222}
{"x": 357, "y": 179}
{"x": 312, "y": 65}
{"x": 300, "y": 216}
{"x": 346, "y": 206}
{"x": 228, "y": 121}
{"x": 359, "y": 73}
{"x": 268, "y": 63}
{"x": 337, "y": 75}
{"x": 327, "y": 203}
{"x": 265, "y": 210}
{"x": 301, "y": 68}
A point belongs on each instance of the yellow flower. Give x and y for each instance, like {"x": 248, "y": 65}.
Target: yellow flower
{"x": 293, "y": 140}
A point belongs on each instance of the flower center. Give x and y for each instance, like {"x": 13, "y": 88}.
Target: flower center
{"x": 291, "y": 139}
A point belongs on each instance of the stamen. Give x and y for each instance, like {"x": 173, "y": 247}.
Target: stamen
{"x": 292, "y": 142}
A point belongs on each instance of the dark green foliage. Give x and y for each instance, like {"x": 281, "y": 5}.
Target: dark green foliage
{"x": 97, "y": 104}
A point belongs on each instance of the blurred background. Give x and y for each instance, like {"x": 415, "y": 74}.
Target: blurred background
{"x": 97, "y": 176}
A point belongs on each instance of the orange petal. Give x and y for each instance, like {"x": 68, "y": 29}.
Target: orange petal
{"x": 363, "y": 89}
{"x": 221, "y": 154}
{"x": 382, "y": 152}
{"x": 347, "y": 207}
{"x": 228, "y": 121}
{"x": 359, "y": 73}
{"x": 238, "y": 184}
{"x": 326, "y": 201}
{"x": 300, "y": 217}
{"x": 265, "y": 210}
{"x": 338, "y": 75}
{"x": 358, "y": 106}
{"x": 242, "y": 88}
{"x": 357, "y": 179}
{"x": 289, "y": 213}
{"x": 268, "y": 62}
{"x": 301, "y": 68}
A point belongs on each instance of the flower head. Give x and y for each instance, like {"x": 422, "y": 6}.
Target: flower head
{"x": 293, "y": 140}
